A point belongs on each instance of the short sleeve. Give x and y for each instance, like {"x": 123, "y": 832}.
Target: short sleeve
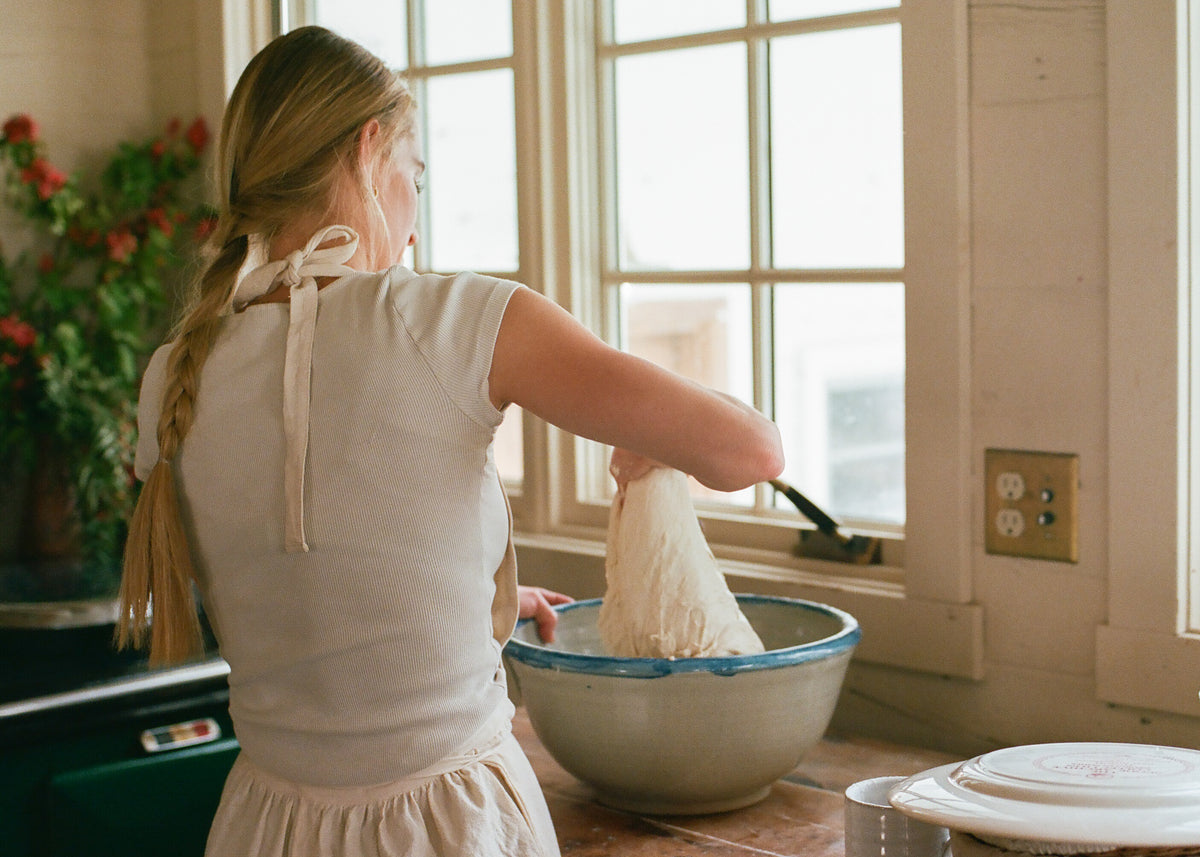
{"x": 454, "y": 322}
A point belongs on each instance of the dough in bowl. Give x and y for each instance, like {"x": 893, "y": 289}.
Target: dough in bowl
{"x": 666, "y": 597}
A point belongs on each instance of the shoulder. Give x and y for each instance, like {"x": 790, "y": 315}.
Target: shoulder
{"x": 427, "y": 302}
{"x": 407, "y": 288}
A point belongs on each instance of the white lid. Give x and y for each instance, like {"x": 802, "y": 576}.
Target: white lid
{"x": 1086, "y": 793}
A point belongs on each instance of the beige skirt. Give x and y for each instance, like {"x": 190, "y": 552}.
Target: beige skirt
{"x": 486, "y": 803}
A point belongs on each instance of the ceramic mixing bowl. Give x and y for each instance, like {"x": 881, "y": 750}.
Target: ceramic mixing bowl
{"x": 691, "y": 735}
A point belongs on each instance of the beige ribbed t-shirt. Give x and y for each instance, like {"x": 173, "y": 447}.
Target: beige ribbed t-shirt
{"x": 370, "y": 656}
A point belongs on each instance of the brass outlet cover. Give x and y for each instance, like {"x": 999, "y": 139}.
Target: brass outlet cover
{"x": 1031, "y": 504}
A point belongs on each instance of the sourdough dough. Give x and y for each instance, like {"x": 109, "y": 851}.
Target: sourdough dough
{"x": 666, "y": 598}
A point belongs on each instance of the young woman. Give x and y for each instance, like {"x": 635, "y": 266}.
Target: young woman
{"x": 316, "y": 444}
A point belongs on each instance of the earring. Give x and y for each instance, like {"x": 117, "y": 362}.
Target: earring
{"x": 375, "y": 191}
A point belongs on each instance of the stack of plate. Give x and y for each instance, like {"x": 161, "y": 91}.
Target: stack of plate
{"x": 1072, "y": 798}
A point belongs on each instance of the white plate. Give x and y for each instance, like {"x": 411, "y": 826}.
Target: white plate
{"x": 1085, "y": 793}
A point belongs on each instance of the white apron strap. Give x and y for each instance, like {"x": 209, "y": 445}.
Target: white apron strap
{"x": 299, "y": 272}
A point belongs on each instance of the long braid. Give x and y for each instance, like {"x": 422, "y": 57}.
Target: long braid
{"x": 158, "y": 571}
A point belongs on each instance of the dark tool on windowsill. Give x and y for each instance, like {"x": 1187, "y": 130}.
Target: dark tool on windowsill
{"x": 828, "y": 541}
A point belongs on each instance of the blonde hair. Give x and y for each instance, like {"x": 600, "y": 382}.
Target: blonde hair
{"x": 289, "y": 137}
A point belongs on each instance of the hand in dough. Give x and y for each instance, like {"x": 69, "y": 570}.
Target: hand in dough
{"x": 666, "y": 597}
{"x": 625, "y": 466}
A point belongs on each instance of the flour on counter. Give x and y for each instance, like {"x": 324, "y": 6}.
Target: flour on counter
{"x": 666, "y": 597}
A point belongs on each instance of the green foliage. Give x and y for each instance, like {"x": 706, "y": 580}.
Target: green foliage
{"x": 78, "y": 322}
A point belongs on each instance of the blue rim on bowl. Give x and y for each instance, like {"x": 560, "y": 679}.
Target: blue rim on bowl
{"x": 548, "y": 658}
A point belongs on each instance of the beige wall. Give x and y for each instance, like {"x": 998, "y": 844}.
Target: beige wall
{"x": 81, "y": 67}
{"x": 94, "y": 72}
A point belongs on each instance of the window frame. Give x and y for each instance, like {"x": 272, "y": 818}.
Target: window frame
{"x": 917, "y": 608}
{"x": 1144, "y": 655}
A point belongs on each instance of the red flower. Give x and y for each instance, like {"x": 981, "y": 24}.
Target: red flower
{"x": 21, "y": 128}
{"x": 46, "y": 263}
{"x": 159, "y": 220}
{"x": 121, "y": 245}
{"x": 173, "y": 126}
{"x": 21, "y": 333}
{"x": 197, "y": 135}
{"x": 47, "y": 178}
{"x": 9, "y": 360}
{"x": 157, "y": 148}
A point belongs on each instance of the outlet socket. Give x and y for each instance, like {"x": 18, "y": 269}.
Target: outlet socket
{"x": 1031, "y": 504}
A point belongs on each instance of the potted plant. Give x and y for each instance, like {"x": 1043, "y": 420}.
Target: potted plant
{"x": 81, "y": 309}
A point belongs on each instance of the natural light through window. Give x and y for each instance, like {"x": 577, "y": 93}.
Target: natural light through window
{"x": 756, "y": 230}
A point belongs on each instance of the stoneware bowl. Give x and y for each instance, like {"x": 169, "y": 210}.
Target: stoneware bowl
{"x": 686, "y": 736}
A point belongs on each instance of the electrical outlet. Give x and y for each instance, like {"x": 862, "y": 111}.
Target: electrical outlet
{"x": 1031, "y": 504}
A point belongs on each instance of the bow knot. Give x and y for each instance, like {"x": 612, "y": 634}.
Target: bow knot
{"x": 290, "y": 275}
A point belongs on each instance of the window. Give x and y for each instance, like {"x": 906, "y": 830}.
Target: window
{"x": 684, "y": 176}
{"x": 752, "y": 176}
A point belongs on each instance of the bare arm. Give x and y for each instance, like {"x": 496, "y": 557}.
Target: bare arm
{"x": 555, "y": 368}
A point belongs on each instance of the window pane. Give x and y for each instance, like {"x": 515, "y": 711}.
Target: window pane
{"x": 462, "y": 30}
{"x": 790, "y": 10}
{"x": 509, "y": 446}
{"x": 702, "y": 332}
{"x": 837, "y": 149}
{"x": 637, "y": 20}
{"x": 380, "y": 26}
{"x": 472, "y": 173}
{"x": 682, "y": 155}
{"x": 839, "y": 396}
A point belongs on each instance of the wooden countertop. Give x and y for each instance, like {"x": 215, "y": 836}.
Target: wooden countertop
{"x": 801, "y": 816}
